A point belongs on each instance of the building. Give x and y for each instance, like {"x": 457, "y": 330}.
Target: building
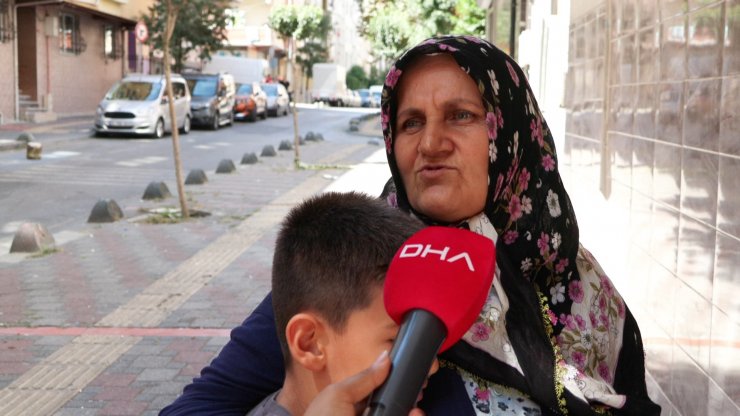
{"x": 650, "y": 120}
{"x": 59, "y": 57}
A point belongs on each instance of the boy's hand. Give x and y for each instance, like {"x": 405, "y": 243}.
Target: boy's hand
{"x": 349, "y": 396}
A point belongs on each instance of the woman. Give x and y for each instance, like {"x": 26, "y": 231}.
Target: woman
{"x": 468, "y": 147}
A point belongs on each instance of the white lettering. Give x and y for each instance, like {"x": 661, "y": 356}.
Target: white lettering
{"x": 442, "y": 253}
{"x": 420, "y": 250}
{"x": 464, "y": 256}
{"x": 407, "y": 247}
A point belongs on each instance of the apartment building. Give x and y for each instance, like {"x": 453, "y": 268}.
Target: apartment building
{"x": 58, "y": 57}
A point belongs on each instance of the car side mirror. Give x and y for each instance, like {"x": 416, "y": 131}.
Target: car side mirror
{"x": 165, "y": 99}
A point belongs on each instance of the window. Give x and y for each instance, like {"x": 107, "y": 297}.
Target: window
{"x": 111, "y": 42}
{"x": 6, "y": 29}
{"x": 178, "y": 90}
{"x": 70, "y": 39}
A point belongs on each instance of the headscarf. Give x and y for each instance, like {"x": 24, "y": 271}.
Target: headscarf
{"x": 552, "y": 330}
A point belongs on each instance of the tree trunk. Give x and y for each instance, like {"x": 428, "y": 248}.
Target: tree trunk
{"x": 169, "y": 27}
{"x": 296, "y": 136}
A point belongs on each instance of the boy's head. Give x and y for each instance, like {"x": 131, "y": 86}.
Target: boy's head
{"x": 330, "y": 260}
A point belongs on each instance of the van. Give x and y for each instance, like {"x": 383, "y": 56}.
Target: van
{"x": 138, "y": 105}
{"x": 213, "y": 99}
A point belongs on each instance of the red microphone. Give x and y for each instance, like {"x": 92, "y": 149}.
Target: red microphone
{"x": 435, "y": 288}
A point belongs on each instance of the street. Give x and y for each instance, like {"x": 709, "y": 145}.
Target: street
{"x": 59, "y": 190}
{"x": 121, "y": 316}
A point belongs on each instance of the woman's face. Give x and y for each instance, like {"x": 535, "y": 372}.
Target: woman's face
{"x": 441, "y": 139}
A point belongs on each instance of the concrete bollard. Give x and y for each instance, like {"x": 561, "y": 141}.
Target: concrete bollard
{"x": 105, "y": 210}
{"x": 319, "y": 137}
{"x": 196, "y": 177}
{"x": 310, "y": 137}
{"x": 268, "y": 151}
{"x": 249, "y": 158}
{"x": 25, "y": 137}
{"x": 31, "y": 238}
{"x": 156, "y": 190}
{"x": 33, "y": 150}
{"x": 285, "y": 145}
{"x": 373, "y": 142}
{"x": 225, "y": 166}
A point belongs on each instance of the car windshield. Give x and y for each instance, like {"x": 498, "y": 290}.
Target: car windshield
{"x": 364, "y": 93}
{"x": 270, "y": 89}
{"x": 244, "y": 89}
{"x": 134, "y": 91}
{"x": 203, "y": 87}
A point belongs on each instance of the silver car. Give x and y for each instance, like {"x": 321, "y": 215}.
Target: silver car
{"x": 138, "y": 105}
{"x": 277, "y": 99}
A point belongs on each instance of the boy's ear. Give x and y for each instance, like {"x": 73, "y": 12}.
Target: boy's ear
{"x": 306, "y": 336}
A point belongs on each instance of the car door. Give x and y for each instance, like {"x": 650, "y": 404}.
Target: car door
{"x": 181, "y": 102}
{"x": 164, "y": 108}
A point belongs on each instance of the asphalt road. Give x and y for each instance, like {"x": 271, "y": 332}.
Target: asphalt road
{"x": 77, "y": 169}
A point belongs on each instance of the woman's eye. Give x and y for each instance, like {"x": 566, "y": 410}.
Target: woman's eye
{"x": 463, "y": 115}
{"x": 410, "y": 124}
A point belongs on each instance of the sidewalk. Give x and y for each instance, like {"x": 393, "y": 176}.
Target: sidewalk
{"x": 64, "y": 128}
{"x": 122, "y": 317}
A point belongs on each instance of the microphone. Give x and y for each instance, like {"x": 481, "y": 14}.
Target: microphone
{"x": 435, "y": 288}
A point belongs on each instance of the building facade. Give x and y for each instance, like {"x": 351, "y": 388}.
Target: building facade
{"x": 651, "y": 122}
{"x": 60, "y": 57}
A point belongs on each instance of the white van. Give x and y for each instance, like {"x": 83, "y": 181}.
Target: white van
{"x": 138, "y": 105}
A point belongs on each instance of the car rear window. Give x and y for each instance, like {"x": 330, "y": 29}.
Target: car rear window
{"x": 244, "y": 89}
{"x": 270, "y": 89}
{"x": 202, "y": 87}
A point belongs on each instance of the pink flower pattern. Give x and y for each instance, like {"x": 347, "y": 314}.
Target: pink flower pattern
{"x": 512, "y": 73}
{"x": 392, "y": 78}
{"x": 575, "y": 290}
{"x": 480, "y": 332}
{"x": 548, "y": 163}
{"x": 492, "y": 123}
{"x": 510, "y": 237}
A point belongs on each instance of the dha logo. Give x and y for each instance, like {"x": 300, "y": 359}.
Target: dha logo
{"x": 421, "y": 250}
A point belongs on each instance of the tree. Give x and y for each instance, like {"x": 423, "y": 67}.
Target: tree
{"x": 297, "y": 24}
{"x": 356, "y": 78}
{"x": 314, "y": 48}
{"x": 171, "y": 12}
{"x": 201, "y": 27}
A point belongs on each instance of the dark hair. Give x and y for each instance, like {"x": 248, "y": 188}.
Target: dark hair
{"x": 331, "y": 250}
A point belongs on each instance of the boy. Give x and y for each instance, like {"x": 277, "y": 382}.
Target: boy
{"x": 327, "y": 292}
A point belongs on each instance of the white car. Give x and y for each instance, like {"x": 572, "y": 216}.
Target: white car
{"x": 138, "y": 105}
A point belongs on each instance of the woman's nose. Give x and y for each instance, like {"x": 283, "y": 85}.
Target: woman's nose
{"x": 434, "y": 139}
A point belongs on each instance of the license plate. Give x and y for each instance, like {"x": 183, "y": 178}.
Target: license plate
{"x": 118, "y": 123}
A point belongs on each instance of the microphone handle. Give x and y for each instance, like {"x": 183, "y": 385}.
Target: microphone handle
{"x": 419, "y": 339}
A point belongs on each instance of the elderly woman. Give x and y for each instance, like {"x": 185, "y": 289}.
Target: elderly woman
{"x": 468, "y": 147}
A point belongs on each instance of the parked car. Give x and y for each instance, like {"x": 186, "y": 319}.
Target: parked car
{"x": 353, "y": 98}
{"x": 376, "y": 92}
{"x": 277, "y": 99}
{"x": 213, "y": 99}
{"x": 366, "y": 99}
{"x": 138, "y": 105}
{"x": 251, "y": 102}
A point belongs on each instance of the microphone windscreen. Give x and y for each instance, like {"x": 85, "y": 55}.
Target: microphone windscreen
{"x": 445, "y": 271}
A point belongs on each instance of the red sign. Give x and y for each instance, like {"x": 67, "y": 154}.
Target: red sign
{"x": 142, "y": 33}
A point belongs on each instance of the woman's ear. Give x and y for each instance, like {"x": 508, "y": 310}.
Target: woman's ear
{"x": 306, "y": 336}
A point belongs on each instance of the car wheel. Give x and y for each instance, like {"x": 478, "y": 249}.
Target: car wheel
{"x": 264, "y": 114}
{"x": 159, "y": 129}
{"x": 231, "y": 118}
{"x": 185, "y": 126}
{"x": 216, "y": 122}
{"x": 253, "y": 115}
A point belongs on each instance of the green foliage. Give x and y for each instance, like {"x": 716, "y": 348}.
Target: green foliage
{"x": 357, "y": 78}
{"x": 200, "y": 25}
{"x": 470, "y": 19}
{"x": 299, "y": 23}
{"x": 393, "y": 26}
{"x": 315, "y": 46}
{"x": 376, "y": 77}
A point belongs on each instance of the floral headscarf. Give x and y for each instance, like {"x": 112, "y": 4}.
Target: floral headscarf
{"x": 538, "y": 245}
